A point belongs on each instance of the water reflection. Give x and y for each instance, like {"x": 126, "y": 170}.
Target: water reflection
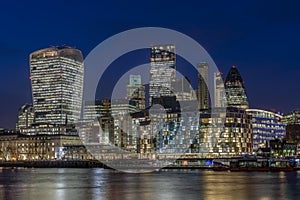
{"x": 48, "y": 184}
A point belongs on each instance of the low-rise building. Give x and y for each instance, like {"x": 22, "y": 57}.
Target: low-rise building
{"x": 266, "y": 126}
{"x": 16, "y": 146}
{"x": 225, "y": 132}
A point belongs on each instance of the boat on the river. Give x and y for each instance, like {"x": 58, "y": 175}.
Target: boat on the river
{"x": 265, "y": 164}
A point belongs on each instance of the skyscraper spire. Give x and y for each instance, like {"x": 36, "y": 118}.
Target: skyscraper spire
{"x": 235, "y": 89}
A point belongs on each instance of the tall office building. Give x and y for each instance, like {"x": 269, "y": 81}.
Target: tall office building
{"x": 183, "y": 90}
{"x": 56, "y": 75}
{"x": 136, "y": 91}
{"x": 203, "y": 93}
{"x": 235, "y": 89}
{"x": 219, "y": 90}
{"x": 162, "y": 71}
{"x": 123, "y": 136}
{"x": 97, "y": 125}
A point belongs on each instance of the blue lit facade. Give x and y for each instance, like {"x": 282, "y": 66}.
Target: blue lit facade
{"x": 266, "y": 126}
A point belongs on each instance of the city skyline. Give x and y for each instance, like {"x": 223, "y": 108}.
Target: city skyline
{"x": 232, "y": 69}
{"x": 212, "y": 130}
{"x": 260, "y": 38}
{"x": 149, "y": 99}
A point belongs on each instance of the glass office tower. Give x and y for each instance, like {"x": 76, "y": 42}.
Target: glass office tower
{"x": 203, "y": 93}
{"x": 162, "y": 71}
{"x": 235, "y": 89}
{"x": 219, "y": 90}
{"x": 56, "y": 75}
{"x": 136, "y": 91}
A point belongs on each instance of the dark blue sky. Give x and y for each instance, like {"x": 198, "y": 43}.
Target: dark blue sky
{"x": 260, "y": 37}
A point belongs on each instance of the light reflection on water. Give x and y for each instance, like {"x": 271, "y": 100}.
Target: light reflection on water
{"x": 48, "y": 184}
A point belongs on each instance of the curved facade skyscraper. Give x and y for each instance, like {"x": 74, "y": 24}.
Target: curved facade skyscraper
{"x": 56, "y": 75}
{"x": 235, "y": 89}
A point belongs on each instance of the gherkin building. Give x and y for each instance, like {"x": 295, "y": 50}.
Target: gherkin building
{"x": 235, "y": 89}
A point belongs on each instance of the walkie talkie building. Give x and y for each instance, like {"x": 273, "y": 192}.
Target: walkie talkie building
{"x": 56, "y": 75}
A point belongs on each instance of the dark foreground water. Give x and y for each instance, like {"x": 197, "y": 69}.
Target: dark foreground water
{"x": 84, "y": 184}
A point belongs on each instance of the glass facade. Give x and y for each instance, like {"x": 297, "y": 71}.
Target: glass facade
{"x": 183, "y": 90}
{"x": 203, "y": 94}
{"x": 25, "y": 117}
{"x": 225, "y": 136}
{"x": 267, "y": 126}
{"x": 292, "y": 118}
{"x": 136, "y": 91}
{"x": 56, "y": 75}
{"x": 166, "y": 130}
{"x": 124, "y": 137}
{"x": 235, "y": 89}
{"x": 162, "y": 71}
{"x": 96, "y": 109}
{"x": 219, "y": 90}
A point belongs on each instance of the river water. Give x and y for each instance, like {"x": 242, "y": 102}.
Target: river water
{"x": 84, "y": 184}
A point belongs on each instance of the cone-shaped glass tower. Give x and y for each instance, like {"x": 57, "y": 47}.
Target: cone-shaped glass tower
{"x": 235, "y": 89}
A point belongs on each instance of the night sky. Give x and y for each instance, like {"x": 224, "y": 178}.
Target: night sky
{"x": 261, "y": 38}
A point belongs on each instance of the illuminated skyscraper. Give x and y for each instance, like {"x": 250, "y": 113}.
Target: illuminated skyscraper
{"x": 97, "y": 124}
{"x": 235, "y": 89}
{"x": 56, "y": 75}
{"x": 203, "y": 93}
{"x": 219, "y": 90}
{"x": 136, "y": 91}
{"x": 183, "y": 90}
{"x": 162, "y": 71}
{"x": 123, "y": 136}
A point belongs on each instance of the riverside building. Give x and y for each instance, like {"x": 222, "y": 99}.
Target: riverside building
{"x": 225, "y": 133}
{"x": 266, "y": 126}
{"x": 56, "y": 75}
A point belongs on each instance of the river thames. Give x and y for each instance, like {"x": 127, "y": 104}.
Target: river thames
{"x": 79, "y": 184}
